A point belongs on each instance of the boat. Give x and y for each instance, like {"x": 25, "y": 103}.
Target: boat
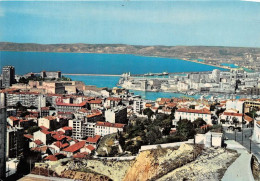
{"x": 165, "y": 73}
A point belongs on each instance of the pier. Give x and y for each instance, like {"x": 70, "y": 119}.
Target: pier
{"x": 108, "y": 75}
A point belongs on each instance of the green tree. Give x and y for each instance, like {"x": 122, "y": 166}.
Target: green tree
{"x": 23, "y": 80}
{"x": 148, "y": 112}
{"x": 192, "y": 106}
{"x": 153, "y": 134}
{"x": 198, "y": 123}
{"x": 235, "y": 121}
{"x": 185, "y": 129}
{"x": 33, "y": 129}
{"x": 252, "y": 113}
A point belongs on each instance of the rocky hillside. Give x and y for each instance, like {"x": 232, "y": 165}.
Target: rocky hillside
{"x": 188, "y": 161}
{"x": 210, "y": 165}
{"x": 203, "y": 52}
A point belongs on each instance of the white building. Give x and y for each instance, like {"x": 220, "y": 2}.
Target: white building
{"x": 48, "y": 122}
{"x": 256, "y": 133}
{"x": 235, "y": 104}
{"x": 77, "y": 126}
{"x": 26, "y": 99}
{"x": 182, "y": 86}
{"x": 234, "y": 119}
{"x": 116, "y": 115}
{"x": 192, "y": 115}
{"x": 210, "y": 139}
{"x": 139, "y": 105}
{"x": 42, "y": 135}
{"x": 105, "y": 128}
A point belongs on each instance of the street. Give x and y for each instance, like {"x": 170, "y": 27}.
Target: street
{"x": 245, "y": 141}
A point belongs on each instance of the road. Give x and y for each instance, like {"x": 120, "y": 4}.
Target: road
{"x": 245, "y": 141}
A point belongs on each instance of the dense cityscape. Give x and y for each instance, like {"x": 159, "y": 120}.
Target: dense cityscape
{"x": 47, "y": 117}
{"x": 145, "y": 90}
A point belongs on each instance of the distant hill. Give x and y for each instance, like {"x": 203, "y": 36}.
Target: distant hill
{"x": 188, "y": 52}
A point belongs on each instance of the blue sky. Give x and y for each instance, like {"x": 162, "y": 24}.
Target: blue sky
{"x": 212, "y": 23}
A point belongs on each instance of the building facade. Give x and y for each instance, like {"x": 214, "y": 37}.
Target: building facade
{"x": 192, "y": 115}
{"x": 8, "y": 74}
{"x": 2, "y": 142}
{"x": 105, "y": 128}
{"x": 14, "y": 142}
{"x": 116, "y": 115}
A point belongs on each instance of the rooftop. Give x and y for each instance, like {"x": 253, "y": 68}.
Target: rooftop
{"x": 75, "y": 147}
{"x": 107, "y": 124}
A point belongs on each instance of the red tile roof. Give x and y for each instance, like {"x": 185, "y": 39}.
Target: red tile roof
{"x": 201, "y": 111}
{"x": 69, "y": 138}
{"x": 40, "y": 149}
{"x": 45, "y": 131}
{"x": 94, "y": 139}
{"x": 13, "y": 118}
{"x": 51, "y": 158}
{"x": 43, "y": 128}
{"x": 94, "y": 114}
{"x": 45, "y": 108}
{"x": 232, "y": 114}
{"x": 58, "y": 137}
{"x": 114, "y": 99}
{"x": 38, "y": 142}
{"x": 29, "y": 93}
{"x": 60, "y": 145}
{"x": 97, "y": 101}
{"x": 90, "y": 147}
{"x": 66, "y": 128}
{"x": 148, "y": 105}
{"x": 28, "y": 136}
{"x": 75, "y": 147}
{"x": 171, "y": 105}
{"x": 24, "y": 120}
{"x": 248, "y": 118}
{"x": 205, "y": 126}
{"x": 72, "y": 105}
{"x": 107, "y": 124}
{"x": 83, "y": 110}
{"x": 50, "y": 118}
{"x": 80, "y": 155}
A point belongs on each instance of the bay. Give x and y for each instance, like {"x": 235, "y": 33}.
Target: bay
{"x": 89, "y": 63}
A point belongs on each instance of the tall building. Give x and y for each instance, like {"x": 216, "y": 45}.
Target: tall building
{"x": 2, "y": 141}
{"x": 8, "y": 75}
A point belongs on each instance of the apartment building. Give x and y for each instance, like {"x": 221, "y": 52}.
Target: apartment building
{"x": 25, "y": 98}
{"x": 14, "y": 142}
{"x": 192, "y": 115}
{"x": 116, "y": 115}
{"x": 105, "y": 128}
{"x": 2, "y": 142}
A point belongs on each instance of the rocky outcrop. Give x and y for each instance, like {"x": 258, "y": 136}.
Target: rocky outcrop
{"x": 190, "y": 162}
{"x": 153, "y": 164}
{"x": 84, "y": 176}
{"x": 255, "y": 168}
{"x": 210, "y": 165}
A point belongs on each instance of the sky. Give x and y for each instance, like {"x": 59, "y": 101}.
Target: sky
{"x": 206, "y": 22}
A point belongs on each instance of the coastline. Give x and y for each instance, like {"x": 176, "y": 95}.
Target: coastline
{"x": 106, "y": 75}
{"x": 219, "y": 66}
